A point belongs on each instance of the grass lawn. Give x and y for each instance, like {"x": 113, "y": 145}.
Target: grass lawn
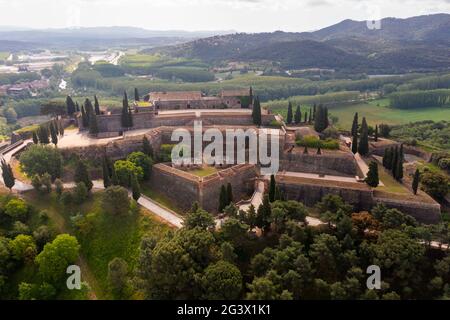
{"x": 204, "y": 171}
{"x": 108, "y": 237}
{"x": 390, "y": 184}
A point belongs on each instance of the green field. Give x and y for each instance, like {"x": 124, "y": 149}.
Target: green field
{"x": 377, "y": 112}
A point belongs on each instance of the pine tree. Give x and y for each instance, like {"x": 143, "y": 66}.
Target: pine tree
{"x": 289, "y": 113}
{"x": 272, "y": 188}
{"x": 415, "y": 183}
{"x": 105, "y": 169}
{"x": 355, "y": 124}
{"x": 8, "y": 175}
{"x": 298, "y": 115}
{"x": 222, "y": 198}
{"x": 97, "y": 105}
{"x": 147, "y": 147}
{"x": 376, "y": 133}
{"x": 355, "y": 143}
{"x": 363, "y": 147}
{"x": 372, "y": 178}
{"x": 35, "y": 138}
{"x": 84, "y": 118}
{"x": 71, "y": 108}
{"x": 53, "y": 133}
{"x": 229, "y": 194}
{"x": 82, "y": 174}
{"x": 135, "y": 188}
{"x": 256, "y": 113}
{"x": 136, "y": 94}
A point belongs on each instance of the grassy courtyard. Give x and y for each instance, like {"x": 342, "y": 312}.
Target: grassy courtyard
{"x": 203, "y": 171}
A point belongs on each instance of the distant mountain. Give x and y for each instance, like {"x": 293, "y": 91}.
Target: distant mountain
{"x": 86, "y": 38}
{"x": 401, "y": 45}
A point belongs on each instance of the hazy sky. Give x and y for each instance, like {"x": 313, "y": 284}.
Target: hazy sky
{"x": 240, "y": 15}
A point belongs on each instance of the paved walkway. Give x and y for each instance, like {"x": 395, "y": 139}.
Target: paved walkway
{"x": 256, "y": 198}
{"x": 160, "y": 211}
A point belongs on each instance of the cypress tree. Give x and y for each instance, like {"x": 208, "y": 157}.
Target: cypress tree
{"x": 263, "y": 215}
{"x": 105, "y": 169}
{"x": 289, "y": 113}
{"x": 130, "y": 118}
{"x": 136, "y": 94}
{"x": 376, "y": 133}
{"x": 135, "y": 188}
{"x": 389, "y": 158}
{"x": 222, "y": 198}
{"x": 355, "y": 143}
{"x": 229, "y": 194}
{"x": 125, "y": 113}
{"x": 355, "y": 124}
{"x": 399, "y": 170}
{"x": 43, "y": 134}
{"x": 88, "y": 108}
{"x": 114, "y": 177}
{"x": 82, "y": 174}
{"x": 319, "y": 150}
{"x": 272, "y": 187}
{"x": 71, "y": 108}
{"x": 372, "y": 178}
{"x": 298, "y": 115}
{"x": 415, "y": 183}
{"x": 8, "y": 175}
{"x": 314, "y": 112}
{"x": 53, "y": 133}
{"x": 77, "y": 107}
{"x": 84, "y": 117}
{"x": 326, "y": 121}
{"x": 97, "y": 105}
{"x": 394, "y": 163}
{"x": 385, "y": 157}
{"x": 147, "y": 147}
{"x": 310, "y": 116}
{"x": 35, "y": 138}
{"x": 306, "y": 116}
{"x": 256, "y": 112}
{"x": 93, "y": 125}
{"x": 363, "y": 147}
{"x": 61, "y": 129}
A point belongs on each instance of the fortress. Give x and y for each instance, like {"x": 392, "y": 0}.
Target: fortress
{"x": 304, "y": 175}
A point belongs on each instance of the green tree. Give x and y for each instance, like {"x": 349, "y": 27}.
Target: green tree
{"x": 105, "y": 172}
{"x": 272, "y": 188}
{"x": 84, "y": 117}
{"x": 93, "y": 125}
{"x": 415, "y": 183}
{"x": 56, "y": 256}
{"x": 135, "y": 188}
{"x": 136, "y": 94}
{"x": 115, "y": 201}
{"x": 376, "y": 133}
{"x": 298, "y": 115}
{"x": 38, "y": 159}
{"x": 96, "y": 105}
{"x": 118, "y": 277}
{"x": 126, "y": 117}
{"x": 53, "y": 133}
{"x": 147, "y": 147}
{"x": 355, "y": 143}
{"x": 363, "y": 147}
{"x": 263, "y": 215}
{"x": 256, "y": 113}
{"x": 140, "y": 159}
{"x": 372, "y": 178}
{"x": 223, "y": 197}
{"x": 229, "y": 194}
{"x": 199, "y": 219}
{"x": 35, "y": 138}
{"x": 70, "y": 106}
{"x": 82, "y": 174}
{"x": 435, "y": 184}
{"x": 355, "y": 125}
{"x": 125, "y": 170}
{"x": 23, "y": 248}
{"x": 222, "y": 281}
{"x": 8, "y": 175}
{"x": 43, "y": 134}
{"x": 262, "y": 289}
{"x": 17, "y": 209}
{"x": 80, "y": 193}
{"x": 59, "y": 187}
{"x": 289, "y": 113}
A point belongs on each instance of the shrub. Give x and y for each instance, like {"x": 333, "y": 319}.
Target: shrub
{"x": 314, "y": 142}
{"x": 125, "y": 170}
{"x": 16, "y": 209}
